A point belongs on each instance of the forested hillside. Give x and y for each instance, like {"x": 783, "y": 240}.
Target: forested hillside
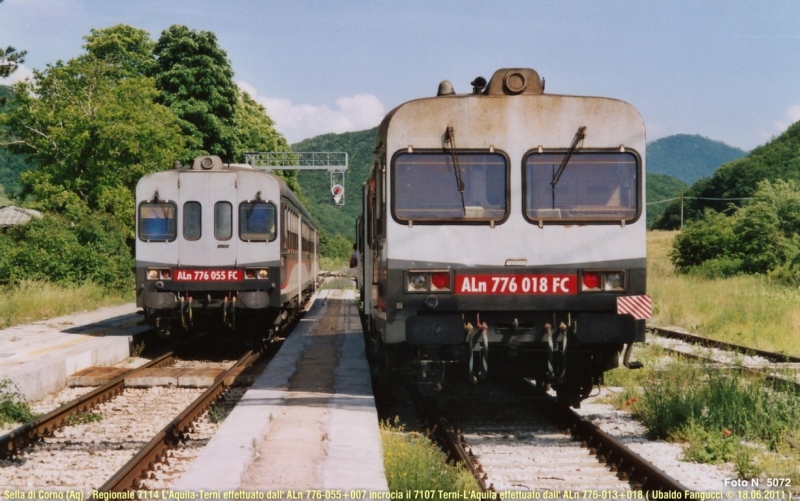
{"x": 316, "y": 185}
{"x": 661, "y": 187}
{"x": 688, "y": 157}
{"x": 777, "y": 159}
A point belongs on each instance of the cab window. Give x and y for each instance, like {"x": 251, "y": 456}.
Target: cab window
{"x": 443, "y": 187}
{"x": 593, "y": 186}
{"x": 257, "y": 221}
{"x": 158, "y": 221}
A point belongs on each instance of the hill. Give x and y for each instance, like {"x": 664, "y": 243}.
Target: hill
{"x": 689, "y": 157}
{"x": 661, "y": 187}
{"x": 316, "y": 185}
{"x": 777, "y": 159}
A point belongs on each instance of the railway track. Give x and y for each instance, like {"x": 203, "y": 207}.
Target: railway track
{"x": 139, "y": 431}
{"x": 14, "y": 442}
{"x": 131, "y": 475}
{"x": 774, "y": 367}
{"x": 730, "y": 347}
{"x": 522, "y": 443}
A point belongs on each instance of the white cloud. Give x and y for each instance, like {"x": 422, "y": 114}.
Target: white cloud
{"x": 793, "y": 115}
{"x": 22, "y": 72}
{"x": 301, "y": 121}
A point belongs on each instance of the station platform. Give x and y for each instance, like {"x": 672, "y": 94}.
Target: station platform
{"x": 308, "y": 422}
{"x": 38, "y": 357}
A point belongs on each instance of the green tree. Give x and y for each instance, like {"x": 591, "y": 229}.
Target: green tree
{"x": 761, "y": 237}
{"x": 195, "y": 79}
{"x": 124, "y": 47}
{"x": 93, "y": 136}
{"x": 254, "y": 131}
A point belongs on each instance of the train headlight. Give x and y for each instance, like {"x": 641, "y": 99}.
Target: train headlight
{"x": 256, "y": 273}
{"x": 602, "y": 280}
{"x": 417, "y": 282}
{"x": 429, "y": 281}
{"x": 159, "y": 273}
{"x": 614, "y": 281}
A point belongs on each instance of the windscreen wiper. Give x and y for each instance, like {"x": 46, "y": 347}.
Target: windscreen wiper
{"x": 450, "y": 137}
{"x": 579, "y": 136}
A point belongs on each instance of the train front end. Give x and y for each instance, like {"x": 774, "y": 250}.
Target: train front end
{"x": 207, "y": 249}
{"x": 508, "y": 236}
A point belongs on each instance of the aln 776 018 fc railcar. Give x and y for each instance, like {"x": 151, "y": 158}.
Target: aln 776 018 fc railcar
{"x": 503, "y": 234}
{"x": 221, "y": 245}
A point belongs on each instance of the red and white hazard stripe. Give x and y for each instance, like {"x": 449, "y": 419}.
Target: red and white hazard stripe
{"x": 639, "y": 306}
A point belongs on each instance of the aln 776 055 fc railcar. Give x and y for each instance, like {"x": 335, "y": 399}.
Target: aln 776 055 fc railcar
{"x": 221, "y": 244}
{"x": 503, "y": 234}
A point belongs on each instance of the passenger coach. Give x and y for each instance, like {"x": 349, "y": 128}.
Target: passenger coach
{"x": 221, "y": 244}
{"x": 503, "y": 234}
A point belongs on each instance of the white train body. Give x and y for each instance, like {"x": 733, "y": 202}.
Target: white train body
{"x": 508, "y": 261}
{"x": 218, "y": 241}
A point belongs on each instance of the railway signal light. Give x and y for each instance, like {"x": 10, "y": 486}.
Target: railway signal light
{"x": 337, "y": 190}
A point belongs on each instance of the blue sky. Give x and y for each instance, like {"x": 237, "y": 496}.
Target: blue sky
{"x": 728, "y": 70}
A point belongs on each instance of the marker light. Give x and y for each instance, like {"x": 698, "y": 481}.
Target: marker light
{"x": 159, "y": 273}
{"x": 591, "y": 281}
{"x": 602, "y": 280}
{"x": 440, "y": 281}
{"x": 428, "y": 281}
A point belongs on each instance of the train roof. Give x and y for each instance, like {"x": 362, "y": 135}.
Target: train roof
{"x": 215, "y": 165}
{"x": 510, "y": 91}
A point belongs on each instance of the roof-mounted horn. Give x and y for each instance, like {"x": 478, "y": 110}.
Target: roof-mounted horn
{"x": 445, "y": 88}
{"x": 513, "y": 81}
{"x": 207, "y": 162}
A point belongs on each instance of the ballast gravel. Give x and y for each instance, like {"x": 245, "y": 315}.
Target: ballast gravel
{"x": 666, "y": 456}
{"x": 83, "y": 456}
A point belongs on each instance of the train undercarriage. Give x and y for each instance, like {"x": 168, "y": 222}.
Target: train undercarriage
{"x": 242, "y": 314}
{"x": 545, "y": 356}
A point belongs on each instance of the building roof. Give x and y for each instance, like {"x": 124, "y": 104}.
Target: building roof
{"x": 13, "y": 216}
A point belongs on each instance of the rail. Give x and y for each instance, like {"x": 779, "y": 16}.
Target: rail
{"x": 14, "y": 441}
{"x": 155, "y": 451}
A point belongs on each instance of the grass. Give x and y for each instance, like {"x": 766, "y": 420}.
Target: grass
{"x": 31, "y": 301}
{"x": 717, "y": 416}
{"x": 84, "y": 418}
{"x": 412, "y": 462}
{"x": 748, "y": 310}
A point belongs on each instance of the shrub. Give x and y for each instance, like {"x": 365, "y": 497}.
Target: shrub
{"x": 56, "y": 250}
{"x": 13, "y": 407}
